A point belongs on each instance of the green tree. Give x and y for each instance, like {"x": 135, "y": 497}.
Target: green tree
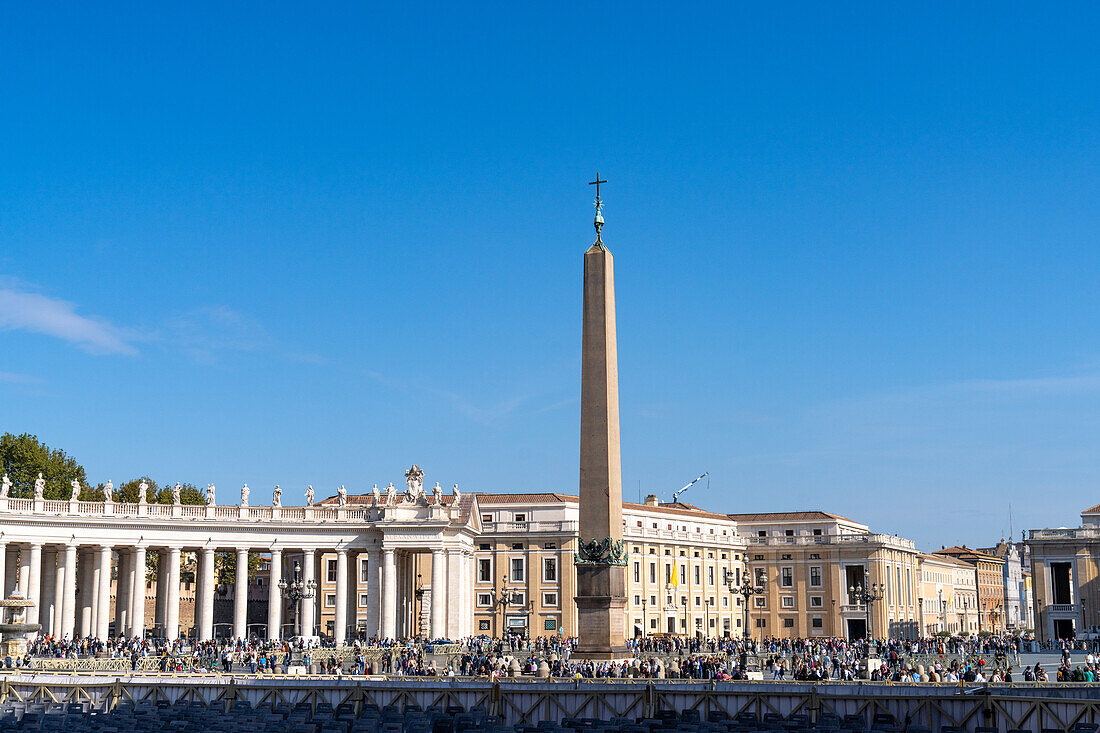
{"x": 128, "y": 491}
{"x": 22, "y": 457}
{"x": 189, "y": 494}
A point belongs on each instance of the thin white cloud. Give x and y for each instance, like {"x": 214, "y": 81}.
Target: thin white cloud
{"x": 36, "y": 313}
{"x": 13, "y": 378}
{"x": 208, "y": 332}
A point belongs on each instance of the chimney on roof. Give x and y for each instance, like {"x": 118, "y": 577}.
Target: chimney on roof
{"x": 651, "y": 500}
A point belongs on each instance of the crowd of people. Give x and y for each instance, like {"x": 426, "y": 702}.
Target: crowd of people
{"x": 949, "y": 659}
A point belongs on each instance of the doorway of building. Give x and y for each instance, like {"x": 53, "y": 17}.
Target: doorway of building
{"x": 1063, "y": 628}
{"x": 672, "y": 624}
{"x": 857, "y": 629}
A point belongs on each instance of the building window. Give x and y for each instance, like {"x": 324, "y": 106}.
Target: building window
{"x": 549, "y": 599}
{"x": 363, "y": 600}
{"x": 816, "y": 622}
{"x": 787, "y": 601}
{"x": 760, "y": 601}
{"x": 817, "y": 533}
{"x": 330, "y": 600}
{"x": 815, "y": 555}
{"x": 653, "y": 572}
{"x": 487, "y": 518}
{"x": 550, "y": 546}
{"x": 710, "y": 575}
{"x": 550, "y": 569}
{"x": 761, "y": 623}
{"x": 517, "y": 545}
{"x": 517, "y": 569}
{"x": 330, "y": 573}
{"x": 786, "y": 577}
{"x": 788, "y": 533}
{"x": 364, "y": 571}
{"x": 761, "y": 533}
{"x": 815, "y": 577}
{"x": 521, "y": 517}
{"x": 637, "y": 572}
{"x": 483, "y": 625}
{"x": 816, "y": 602}
{"x": 550, "y": 624}
{"x": 698, "y": 601}
{"x": 788, "y": 623}
{"x": 484, "y": 599}
{"x": 484, "y": 570}
{"x": 668, "y": 573}
{"x": 698, "y": 576}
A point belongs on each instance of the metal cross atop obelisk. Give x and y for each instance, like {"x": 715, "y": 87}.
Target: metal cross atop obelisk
{"x": 601, "y": 558}
{"x": 599, "y": 207}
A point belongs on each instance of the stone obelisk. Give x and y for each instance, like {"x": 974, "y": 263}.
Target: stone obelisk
{"x": 600, "y": 559}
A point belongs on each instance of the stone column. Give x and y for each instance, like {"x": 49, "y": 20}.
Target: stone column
{"x": 137, "y": 605}
{"x": 172, "y": 596}
{"x": 275, "y": 597}
{"x": 351, "y": 580}
{"x": 160, "y": 595}
{"x": 24, "y": 582}
{"x": 85, "y": 592}
{"x": 53, "y": 595}
{"x": 93, "y": 588}
{"x": 131, "y": 590}
{"x": 34, "y": 580}
{"x": 103, "y": 615}
{"x": 371, "y": 614}
{"x": 68, "y": 615}
{"x": 122, "y": 593}
{"x": 240, "y": 596}
{"x": 206, "y": 625}
{"x": 454, "y": 594}
{"x": 439, "y": 595}
{"x": 7, "y": 569}
{"x": 309, "y": 561}
{"x": 389, "y": 594}
{"x": 340, "y": 626}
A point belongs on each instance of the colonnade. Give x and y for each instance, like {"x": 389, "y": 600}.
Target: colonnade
{"x": 71, "y": 584}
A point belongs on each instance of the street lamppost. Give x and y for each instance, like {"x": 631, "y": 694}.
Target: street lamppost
{"x": 296, "y": 591}
{"x": 747, "y": 589}
{"x": 502, "y": 600}
{"x": 643, "y": 616}
{"x": 867, "y": 598}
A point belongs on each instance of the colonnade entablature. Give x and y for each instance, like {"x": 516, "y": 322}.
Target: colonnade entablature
{"x": 50, "y": 548}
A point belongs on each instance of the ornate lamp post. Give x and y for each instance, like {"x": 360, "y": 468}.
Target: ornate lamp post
{"x": 296, "y": 591}
{"x": 868, "y": 598}
{"x": 746, "y": 590}
{"x": 643, "y": 616}
{"x": 501, "y": 601}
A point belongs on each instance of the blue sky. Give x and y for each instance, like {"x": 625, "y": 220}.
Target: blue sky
{"x": 856, "y": 248}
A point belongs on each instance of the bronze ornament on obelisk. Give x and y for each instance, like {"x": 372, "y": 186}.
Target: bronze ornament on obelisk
{"x": 601, "y": 558}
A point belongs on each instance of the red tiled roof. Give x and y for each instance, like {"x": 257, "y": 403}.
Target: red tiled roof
{"x": 964, "y": 551}
{"x": 788, "y": 516}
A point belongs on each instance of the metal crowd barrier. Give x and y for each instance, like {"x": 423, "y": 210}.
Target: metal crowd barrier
{"x": 1004, "y": 707}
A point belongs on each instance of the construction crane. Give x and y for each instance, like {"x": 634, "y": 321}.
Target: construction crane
{"x": 676, "y": 496}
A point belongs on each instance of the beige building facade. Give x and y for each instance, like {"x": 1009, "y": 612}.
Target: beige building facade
{"x": 1065, "y": 578}
{"x": 812, "y": 561}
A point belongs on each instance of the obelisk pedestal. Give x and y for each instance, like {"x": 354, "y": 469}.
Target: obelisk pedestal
{"x": 601, "y": 558}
